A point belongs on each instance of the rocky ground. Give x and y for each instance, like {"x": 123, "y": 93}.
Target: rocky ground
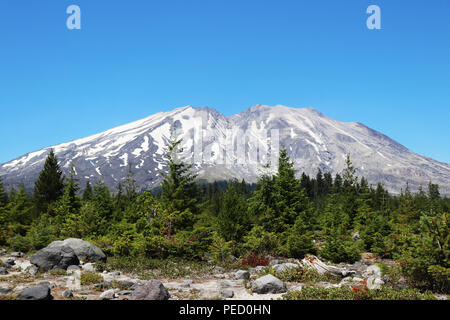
{"x": 24, "y": 277}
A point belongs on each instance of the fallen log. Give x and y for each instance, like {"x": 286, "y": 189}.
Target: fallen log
{"x": 311, "y": 261}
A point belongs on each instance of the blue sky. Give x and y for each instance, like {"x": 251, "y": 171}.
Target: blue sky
{"x": 134, "y": 58}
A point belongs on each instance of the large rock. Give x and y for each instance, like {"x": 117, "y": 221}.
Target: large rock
{"x": 54, "y": 258}
{"x": 150, "y": 290}
{"x": 108, "y": 295}
{"x": 227, "y": 294}
{"x": 41, "y": 292}
{"x": 17, "y": 254}
{"x": 284, "y": 267}
{"x": 268, "y": 284}
{"x": 84, "y": 250}
{"x": 242, "y": 274}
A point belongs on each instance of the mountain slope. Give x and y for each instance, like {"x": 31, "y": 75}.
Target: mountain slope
{"x": 312, "y": 140}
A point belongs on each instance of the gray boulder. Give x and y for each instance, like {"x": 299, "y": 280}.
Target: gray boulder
{"x": 227, "y": 294}
{"x": 33, "y": 270}
{"x": 73, "y": 268}
{"x": 17, "y": 254}
{"x": 268, "y": 284}
{"x": 84, "y": 250}
{"x": 41, "y": 292}
{"x": 150, "y": 290}
{"x": 108, "y": 295}
{"x": 242, "y": 274}
{"x": 8, "y": 263}
{"x": 3, "y": 271}
{"x": 67, "y": 294}
{"x": 54, "y": 258}
{"x": 284, "y": 267}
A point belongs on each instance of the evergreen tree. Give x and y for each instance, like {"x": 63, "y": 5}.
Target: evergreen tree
{"x": 19, "y": 211}
{"x": 71, "y": 190}
{"x": 179, "y": 190}
{"x": 290, "y": 199}
{"x": 3, "y": 194}
{"x": 87, "y": 193}
{"x": 307, "y": 185}
{"x": 50, "y": 185}
{"x": 349, "y": 189}
{"x": 130, "y": 185}
{"x": 232, "y": 220}
{"x": 337, "y": 186}
{"x": 328, "y": 183}
{"x": 319, "y": 185}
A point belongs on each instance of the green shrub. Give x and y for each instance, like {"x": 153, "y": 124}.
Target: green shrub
{"x": 337, "y": 250}
{"x": 90, "y": 278}
{"x": 425, "y": 258}
{"x": 20, "y": 243}
{"x": 146, "y": 267}
{"x": 220, "y": 249}
{"x": 301, "y": 275}
{"x": 260, "y": 241}
{"x": 58, "y": 272}
{"x": 8, "y": 297}
{"x": 345, "y": 293}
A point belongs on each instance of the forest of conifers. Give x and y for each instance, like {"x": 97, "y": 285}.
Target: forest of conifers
{"x": 334, "y": 217}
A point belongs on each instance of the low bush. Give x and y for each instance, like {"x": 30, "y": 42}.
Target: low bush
{"x": 304, "y": 275}
{"x": 345, "y": 293}
{"x": 90, "y": 278}
{"x": 254, "y": 260}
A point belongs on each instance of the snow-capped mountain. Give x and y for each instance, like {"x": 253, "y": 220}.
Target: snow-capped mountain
{"x": 238, "y": 146}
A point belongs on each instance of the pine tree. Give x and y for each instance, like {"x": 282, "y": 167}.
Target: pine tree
{"x": 232, "y": 219}
{"x": 349, "y": 189}
{"x": 3, "y": 194}
{"x": 130, "y": 185}
{"x": 20, "y": 211}
{"x": 4, "y": 217}
{"x": 179, "y": 190}
{"x": 319, "y": 185}
{"x": 87, "y": 193}
{"x": 50, "y": 185}
{"x": 337, "y": 185}
{"x": 71, "y": 190}
{"x": 290, "y": 199}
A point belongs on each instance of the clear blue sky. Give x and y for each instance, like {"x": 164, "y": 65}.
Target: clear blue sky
{"x": 134, "y": 58}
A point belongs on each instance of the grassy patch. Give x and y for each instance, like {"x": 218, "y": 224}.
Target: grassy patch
{"x": 8, "y": 297}
{"x": 305, "y": 275}
{"x": 344, "y": 293}
{"x": 58, "y": 272}
{"x": 90, "y": 278}
{"x": 148, "y": 268}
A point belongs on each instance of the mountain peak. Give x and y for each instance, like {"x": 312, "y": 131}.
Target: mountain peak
{"x": 312, "y": 139}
